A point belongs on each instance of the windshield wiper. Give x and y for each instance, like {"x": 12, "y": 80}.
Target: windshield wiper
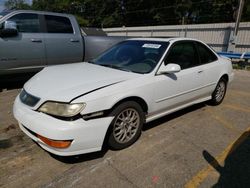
{"x": 92, "y": 62}
{"x": 110, "y": 65}
{"x": 115, "y": 67}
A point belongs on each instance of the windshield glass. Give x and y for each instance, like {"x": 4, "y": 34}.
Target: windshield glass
{"x": 133, "y": 56}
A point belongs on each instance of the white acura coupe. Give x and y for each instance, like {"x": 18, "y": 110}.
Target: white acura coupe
{"x": 71, "y": 109}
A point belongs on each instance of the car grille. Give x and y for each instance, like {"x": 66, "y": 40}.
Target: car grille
{"x": 28, "y": 99}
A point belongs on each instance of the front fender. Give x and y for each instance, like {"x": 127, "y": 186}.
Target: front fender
{"x": 106, "y": 98}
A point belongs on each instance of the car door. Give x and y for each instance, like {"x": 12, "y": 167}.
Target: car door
{"x": 62, "y": 43}
{"x": 26, "y": 51}
{"x": 210, "y": 66}
{"x": 177, "y": 89}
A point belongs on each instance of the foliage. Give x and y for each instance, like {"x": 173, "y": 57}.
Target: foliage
{"x": 246, "y": 12}
{"x": 113, "y": 13}
{"x": 16, "y": 4}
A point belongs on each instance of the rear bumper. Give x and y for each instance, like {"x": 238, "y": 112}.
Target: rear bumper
{"x": 87, "y": 136}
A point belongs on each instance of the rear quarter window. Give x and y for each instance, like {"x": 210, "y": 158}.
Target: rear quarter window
{"x": 205, "y": 54}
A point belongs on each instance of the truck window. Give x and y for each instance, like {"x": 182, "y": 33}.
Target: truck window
{"x": 58, "y": 24}
{"x": 26, "y": 22}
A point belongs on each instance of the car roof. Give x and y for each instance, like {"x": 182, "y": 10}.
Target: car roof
{"x": 163, "y": 39}
{"x": 37, "y": 12}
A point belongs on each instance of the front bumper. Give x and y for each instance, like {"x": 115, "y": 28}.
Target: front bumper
{"x": 87, "y": 136}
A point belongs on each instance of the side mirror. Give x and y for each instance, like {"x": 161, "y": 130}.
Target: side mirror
{"x": 169, "y": 68}
{"x": 9, "y": 29}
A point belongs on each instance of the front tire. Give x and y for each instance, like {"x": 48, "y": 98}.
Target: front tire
{"x": 126, "y": 126}
{"x": 219, "y": 92}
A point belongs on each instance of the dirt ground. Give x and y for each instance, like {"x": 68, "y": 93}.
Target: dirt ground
{"x": 200, "y": 146}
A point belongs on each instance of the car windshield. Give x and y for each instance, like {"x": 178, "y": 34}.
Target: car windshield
{"x": 133, "y": 55}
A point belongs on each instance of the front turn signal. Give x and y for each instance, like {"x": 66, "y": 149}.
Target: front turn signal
{"x": 55, "y": 143}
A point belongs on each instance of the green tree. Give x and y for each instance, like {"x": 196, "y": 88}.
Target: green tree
{"x": 117, "y": 13}
{"x": 246, "y": 11}
{"x": 16, "y": 4}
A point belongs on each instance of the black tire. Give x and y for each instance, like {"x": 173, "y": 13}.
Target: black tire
{"x": 126, "y": 125}
{"x": 219, "y": 92}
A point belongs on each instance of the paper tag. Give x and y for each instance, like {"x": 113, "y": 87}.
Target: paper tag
{"x": 155, "y": 46}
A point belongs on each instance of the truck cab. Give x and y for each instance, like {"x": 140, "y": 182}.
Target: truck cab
{"x": 31, "y": 40}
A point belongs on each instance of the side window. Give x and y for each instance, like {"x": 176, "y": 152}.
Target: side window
{"x": 26, "y": 22}
{"x": 206, "y": 56}
{"x": 58, "y": 24}
{"x": 183, "y": 54}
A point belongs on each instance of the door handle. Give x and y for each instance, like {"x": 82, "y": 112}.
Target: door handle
{"x": 74, "y": 40}
{"x": 36, "y": 40}
{"x": 200, "y": 71}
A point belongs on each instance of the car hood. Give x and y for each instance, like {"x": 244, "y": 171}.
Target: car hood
{"x": 66, "y": 82}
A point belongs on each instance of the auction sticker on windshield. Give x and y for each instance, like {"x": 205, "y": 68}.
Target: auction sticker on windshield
{"x": 155, "y": 46}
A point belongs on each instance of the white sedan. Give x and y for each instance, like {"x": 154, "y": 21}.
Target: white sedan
{"x": 73, "y": 109}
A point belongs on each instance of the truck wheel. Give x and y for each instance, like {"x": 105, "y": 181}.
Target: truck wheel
{"x": 126, "y": 126}
{"x": 219, "y": 92}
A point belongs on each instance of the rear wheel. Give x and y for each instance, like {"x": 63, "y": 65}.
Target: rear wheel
{"x": 219, "y": 92}
{"x": 126, "y": 125}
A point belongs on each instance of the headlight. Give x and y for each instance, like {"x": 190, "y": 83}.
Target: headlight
{"x": 62, "y": 109}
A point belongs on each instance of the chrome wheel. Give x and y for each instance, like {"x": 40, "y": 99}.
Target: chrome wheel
{"x": 220, "y": 91}
{"x": 126, "y": 125}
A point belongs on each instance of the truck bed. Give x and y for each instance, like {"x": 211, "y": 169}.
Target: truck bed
{"x": 99, "y": 44}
